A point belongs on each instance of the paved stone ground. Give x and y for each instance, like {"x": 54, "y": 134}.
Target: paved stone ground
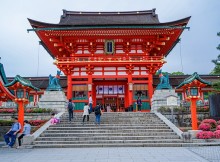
{"x": 126, "y": 154}
{"x": 211, "y": 153}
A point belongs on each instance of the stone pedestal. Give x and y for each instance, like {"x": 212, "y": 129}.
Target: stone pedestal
{"x": 55, "y": 100}
{"x": 160, "y": 98}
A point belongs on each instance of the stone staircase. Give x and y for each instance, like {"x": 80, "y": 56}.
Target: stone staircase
{"x": 124, "y": 129}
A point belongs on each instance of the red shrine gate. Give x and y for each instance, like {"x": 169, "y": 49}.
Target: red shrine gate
{"x": 110, "y": 55}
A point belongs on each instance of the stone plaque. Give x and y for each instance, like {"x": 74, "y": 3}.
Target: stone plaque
{"x": 171, "y": 101}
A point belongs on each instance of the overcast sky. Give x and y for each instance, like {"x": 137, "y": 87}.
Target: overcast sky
{"x": 21, "y": 54}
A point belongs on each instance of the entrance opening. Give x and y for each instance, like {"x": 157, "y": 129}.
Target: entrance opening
{"x": 111, "y": 97}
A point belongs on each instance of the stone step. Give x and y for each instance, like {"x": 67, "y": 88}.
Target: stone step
{"x": 100, "y": 137}
{"x": 77, "y": 127}
{"x": 109, "y": 141}
{"x": 173, "y": 144}
{"x": 83, "y": 134}
{"x": 119, "y": 113}
{"x": 110, "y": 131}
{"x": 110, "y": 123}
{"x": 114, "y": 121}
{"x": 117, "y": 119}
{"x": 113, "y": 117}
{"x": 116, "y": 130}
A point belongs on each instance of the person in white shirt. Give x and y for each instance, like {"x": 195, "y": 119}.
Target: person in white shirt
{"x": 86, "y": 112}
{"x": 90, "y": 104}
{"x": 26, "y": 131}
{"x": 108, "y": 108}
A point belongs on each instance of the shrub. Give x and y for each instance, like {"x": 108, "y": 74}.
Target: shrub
{"x": 212, "y": 122}
{"x": 38, "y": 110}
{"x": 217, "y": 134}
{"x": 205, "y": 126}
{"x": 6, "y": 122}
{"x": 205, "y": 135}
{"x": 37, "y": 122}
{"x": 8, "y": 110}
{"x": 164, "y": 109}
{"x": 218, "y": 127}
{"x": 32, "y": 122}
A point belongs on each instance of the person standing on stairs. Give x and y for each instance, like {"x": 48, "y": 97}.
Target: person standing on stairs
{"x": 70, "y": 108}
{"x": 90, "y": 104}
{"x": 86, "y": 112}
{"x": 98, "y": 113}
{"x": 139, "y": 103}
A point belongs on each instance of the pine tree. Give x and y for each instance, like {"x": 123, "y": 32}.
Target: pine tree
{"x": 216, "y": 69}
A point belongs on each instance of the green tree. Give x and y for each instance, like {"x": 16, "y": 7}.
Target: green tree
{"x": 216, "y": 87}
{"x": 177, "y": 73}
{"x": 216, "y": 69}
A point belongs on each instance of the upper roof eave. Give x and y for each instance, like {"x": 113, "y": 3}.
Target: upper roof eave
{"x": 23, "y": 81}
{"x": 194, "y": 76}
{"x": 38, "y": 24}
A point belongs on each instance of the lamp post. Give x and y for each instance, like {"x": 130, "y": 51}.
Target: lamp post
{"x": 21, "y": 88}
{"x": 192, "y": 87}
{"x": 192, "y": 94}
{"x": 21, "y": 98}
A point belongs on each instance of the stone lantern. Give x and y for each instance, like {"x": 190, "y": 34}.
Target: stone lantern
{"x": 192, "y": 88}
{"x": 21, "y": 88}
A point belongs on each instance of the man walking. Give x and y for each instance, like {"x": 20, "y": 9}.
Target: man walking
{"x": 12, "y": 133}
{"x": 70, "y": 108}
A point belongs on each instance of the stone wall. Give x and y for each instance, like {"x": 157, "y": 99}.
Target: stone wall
{"x": 184, "y": 119}
{"x": 5, "y": 129}
{"x": 28, "y": 116}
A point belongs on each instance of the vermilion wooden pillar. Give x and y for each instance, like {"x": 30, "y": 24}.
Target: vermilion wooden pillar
{"x": 69, "y": 87}
{"x": 126, "y": 96}
{"x": 20, "y": 112}
{"x": 94, "y": 95}
{"x": 194, "y": 114}
{"x": 150, "y": 87}
{"x": 130, "y": 97}
{"x": 90, "y": 84}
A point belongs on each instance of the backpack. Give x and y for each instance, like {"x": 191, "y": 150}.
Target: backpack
{"x": 97, "y": 110}
{"x": 70, "y": 106}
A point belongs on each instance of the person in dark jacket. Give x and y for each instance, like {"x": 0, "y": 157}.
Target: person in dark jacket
{"x": 98, "y": 113}
{"x": 139, "y": 103}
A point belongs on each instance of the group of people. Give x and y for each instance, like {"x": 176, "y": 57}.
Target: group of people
{"x": 86, "y": 111}
{"x": 11, "y": 135}
{"x": 16, "y": 127}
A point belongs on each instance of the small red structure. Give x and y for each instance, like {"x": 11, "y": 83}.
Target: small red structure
{"x": 21, "y": 88}
{"x": 192, "y": 88}
{"x": 5, "y": 94}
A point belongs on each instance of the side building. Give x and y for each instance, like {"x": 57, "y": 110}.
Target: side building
{"x": 175, "y": 80}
